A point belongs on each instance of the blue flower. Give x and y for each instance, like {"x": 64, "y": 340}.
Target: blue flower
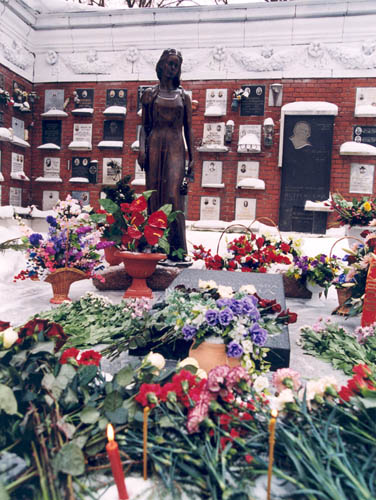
{"x": 189, "y": 332}
{"x": 258, "y": 334}
{"x": 51, "y": 221}
{"x": 234, "y": 350}
{"x": 211, "y": 316}
{"x": 35, "y": 239}
{"x": 225, "y": 316}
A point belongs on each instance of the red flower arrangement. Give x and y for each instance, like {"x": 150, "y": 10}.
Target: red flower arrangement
{"x": 362, "y": 383}
{"x": 77, "y": 358}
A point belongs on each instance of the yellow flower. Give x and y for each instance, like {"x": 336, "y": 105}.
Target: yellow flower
{"x": 367, "y": 206}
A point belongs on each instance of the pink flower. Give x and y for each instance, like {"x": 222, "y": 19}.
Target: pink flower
{"x": 286, "y": 378}
{"x": 216, "y": 378}
{"x": 235, "y": 376}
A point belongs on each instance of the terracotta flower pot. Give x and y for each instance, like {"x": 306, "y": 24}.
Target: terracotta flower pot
{"x": 61, "y": 280}
{"x": 139, "y": 266}
{"x": 209, "y": 355}
{"x": 343, "y": 295}
{"x": 111, "y": 256}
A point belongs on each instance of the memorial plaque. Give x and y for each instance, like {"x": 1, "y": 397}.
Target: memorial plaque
{"x": 112, "y": 170}
{"x": 364, "y": 134}
{"x": 80, "y": 166}
{"x": 82, "y": 196}
{"x": 245, "y": 209}
{"x": 82, "y": 132}
{"x": 139, "y": 174}
{"x": 84, "y": 98}
{"x": 211, "y": 173}
{"x": 1, "y": 119}
{"x": 2, "y": 82}
{"x": 247, "y": 169}
{"x": 214, "y": 135}
{"x": 51, "y": 132}
{"x": 254, "y": 104}
{"x": 17, "y": 163}
{"x": 216, "y": 102}
{"x": 50, "y": 198}
{"x": 113, "y": 130}
{"x": 18, "y": 127}
{"x": 140, "y": 91}
{"x": 307, "y": 156}
{"x": 365, "y": 101}
{"x": 116, "y": 97}
{"x": 17, "y": 89}
{"x": 15, "y": 197}
{"x": 361, "y": 178}
{"x": 51, "y": 168}
{"x": 53, "y": 99}
{"x": 249, "y": 139}
{"x": 210, "y": 208}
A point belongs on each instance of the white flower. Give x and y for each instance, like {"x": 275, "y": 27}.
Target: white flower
{"x": 9, "y": 337}
{"x": 278, "y": 403}
{"x": 188, "y": 361}
{"x": 207, "y": 284}
{"x": 156, "y": 360}
{"x": 261, "y": 383}
{"x": 247, "y": 345}
{"x": 226, "y": 292}
{"x": 201, "y": 373}
{"x": 250, "y": 289}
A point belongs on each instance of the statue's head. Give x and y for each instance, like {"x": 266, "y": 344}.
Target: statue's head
{"x": 160, "y": 64}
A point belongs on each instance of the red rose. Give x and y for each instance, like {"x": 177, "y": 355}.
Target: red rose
{"x": 90, "y": 358}
{"x": 138, "y": 205}
{"x": 158, "y": 219}
{"x": 4, "y": 325}
{"x": 153, "y": 234}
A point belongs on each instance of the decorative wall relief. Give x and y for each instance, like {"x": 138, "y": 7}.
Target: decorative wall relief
{"x": 218, "y": 59}
{"x": 91, "y": 63}
{"x": 265, "y": 59}
{"x": 16, "y": 54}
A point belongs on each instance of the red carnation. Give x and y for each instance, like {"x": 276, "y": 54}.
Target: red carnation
{"x": 158, "y": 219}
{"x": 138, "y": 205}
{"x": 285, "y": 247}
{"x": 68, "y": 354}
{"x": 90, "y": 358}
{"x": 153, "y": 234}
{"x": 362, "y": 370}
{"x": 149, "y": 394}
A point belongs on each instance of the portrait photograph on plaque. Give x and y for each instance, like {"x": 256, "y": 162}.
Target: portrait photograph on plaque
{"x": 116, "y": 97}
{"x": 80, "y": 166}
{"x": 51, "y": 132}
{"x": 50, "y": 198}
{"x": 210, "y": 208}
{"x": 113, "y": 130}
{"x": 18, "y": 127}
{"x": 84, "y": 98}
{"x": 246, "y": 170}
{"x": 365, "y": 134}
{"x": 245, "y": 209}
{"x": 254, "y": 104}
{"x": 17, "y": 164}
{"x": 214, "y": 136}
{"x": 216, "y": 102}
{"x": 51, "y": 168}
{"x": 365, "y": 101}
{"x": 112, "y": 170}
{"x": 53, "y": 99}
{"x": 15, "y": 196}
{"x": 82, "y": 196}
{"x": 82, "y": 132}
{"x": 211, "y": 173}
{"x": 361, "y": 178}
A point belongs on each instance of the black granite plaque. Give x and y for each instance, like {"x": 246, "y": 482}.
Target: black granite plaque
{"x": 307, "y": 153}
{"x": 365, "y": 134}
{"x": 140, "y": 91}
{"x": 1, "y": 118}
{"x": 51, "y": 132}
{"x": 254, "y": 104}
{"x": 116, "y": 97}
{"x": 93, "y": 172}
{"x": 2, "y": 82}
{"x": 86, "y": 98}
{"x": 80, "y": 166}
{"x": 113, "y": 130}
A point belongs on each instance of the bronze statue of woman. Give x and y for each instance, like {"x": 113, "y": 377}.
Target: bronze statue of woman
{"x": 166, "y": 121}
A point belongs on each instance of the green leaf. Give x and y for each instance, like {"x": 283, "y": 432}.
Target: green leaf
{"x": 8, "y": 402}
{"x": 87, "y": 374}
{"x": 119, "y": 416}
{"x": 70, "y": 460}
{"x": 113, "y": 401}
{"x": 3, "y": 493}
{"x": 43, "y": 347}
{"x": 109, "y": 205}
{"x": 165, "y": 421}
{"x": 125, "y": 376}
{"x": 89, "y": 415}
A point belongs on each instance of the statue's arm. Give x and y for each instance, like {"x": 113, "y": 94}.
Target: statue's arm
{"x": 146, "y": 126}
{"x": 188, "y": 133}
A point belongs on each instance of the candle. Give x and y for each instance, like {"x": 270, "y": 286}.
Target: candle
{"x": 146, "y": 413}
{"x": 117, "y": 469}
{"x": 273, "y": 420}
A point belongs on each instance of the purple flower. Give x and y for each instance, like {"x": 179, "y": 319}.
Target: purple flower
{"x": 248, "y": 303}
{"x": 83, "y": 229}
{"x": 189, "y": 332}
{"x": 223, "y": 302}
{"x": 35, "y": 238}
{"x": 51, "y": 221}
{"x": 50, "y": 250}
{"x": 258, "y": 334}
{"x": 236, "y": 306}
{"x": 234, "y": 350}
{"x": 211, "y": 316}
{"x": 104, "y": 244}
{"x": 225, "y": 316}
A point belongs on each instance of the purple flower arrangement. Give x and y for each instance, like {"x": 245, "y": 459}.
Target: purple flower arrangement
{"x": 320, "y": 270}
{"x": 72, "y": 241}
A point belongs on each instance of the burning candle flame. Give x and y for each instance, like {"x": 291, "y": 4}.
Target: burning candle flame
{"x": 110, "y": 432}
{"x": 274, "y": 413}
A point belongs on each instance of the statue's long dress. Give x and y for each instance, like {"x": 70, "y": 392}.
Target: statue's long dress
{"x": 167, "y": 161}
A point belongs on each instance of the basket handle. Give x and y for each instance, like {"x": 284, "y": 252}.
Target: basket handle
{"x": 337, "y": 241}
{"x": 247, "y": 229}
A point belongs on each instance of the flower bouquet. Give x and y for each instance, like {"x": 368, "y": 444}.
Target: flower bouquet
{"x": 354, "y": 213}
{"x": 319, "y": 270}
{"x": 5, "y": 97}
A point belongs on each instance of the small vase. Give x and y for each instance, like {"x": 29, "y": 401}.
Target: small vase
{"x": 111, "y": 256}
{"x": 316, "y": 291}
{"x": 61, "y": 280}
{"x": 139, "y": 266}
{"x": 355, "y": 231}
{"x": 209, "y": 355}
{"x": 343, "y": 295}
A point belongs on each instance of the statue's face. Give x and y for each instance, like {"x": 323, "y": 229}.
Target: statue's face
{"x": 171, "y": 66}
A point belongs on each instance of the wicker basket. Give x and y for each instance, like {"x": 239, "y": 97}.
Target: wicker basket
{"x": 61, "y": 280}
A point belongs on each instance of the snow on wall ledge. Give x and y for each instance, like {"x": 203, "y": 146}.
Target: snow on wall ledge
{"x": 260, "y": 40}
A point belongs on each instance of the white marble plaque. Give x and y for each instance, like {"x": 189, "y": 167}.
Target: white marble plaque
{"x": 53, "y": 99}
{"x": 212, "y": 174}
{"x": 214, "y": 135}
{"x": 82, "y": 196}
{"x": 18, "y": 127}
{"x": 50, "y": 198}
{"x": 365, "y": 102}
{"x": 15, "y": 197}
{"x": 249, "y": 139}
{"x": 247, "y": 169}
{"x": 17, "y": 163}
{"x": 216, "y": 102}
{"x": 51, "y": 167}
{"x": 112, "y": 170}
{"x": 210, "y": 208}
{"x": 361, "y": 178}
{"x": 245, "y": 209}
{"x": 139, "y": 175}
{"x": 82, "y": 132}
